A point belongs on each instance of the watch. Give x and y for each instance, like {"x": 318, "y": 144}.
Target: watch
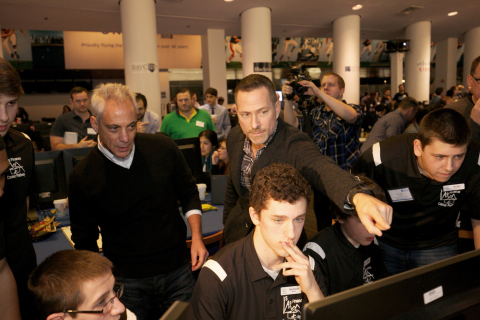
{"x": 359, "y": 188}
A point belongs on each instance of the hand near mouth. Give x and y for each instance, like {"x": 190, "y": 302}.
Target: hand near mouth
{"x": 298, "y": 265}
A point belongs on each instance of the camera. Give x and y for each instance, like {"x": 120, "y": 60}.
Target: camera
{"x": 297, "y": 74}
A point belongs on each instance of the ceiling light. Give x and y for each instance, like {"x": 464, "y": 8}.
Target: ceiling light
{"x": 228, "y": 0}
{"x": 357, "y": 7}
{"x": 454, "y": 13}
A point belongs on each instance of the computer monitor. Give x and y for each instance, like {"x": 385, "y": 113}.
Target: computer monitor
{"x": 50, "y": 182}
{"x": 176, "y": 311}
{"x": 190, "y": 148}
{"x": 449, "y": 289}
{"x": 72, "y": 157}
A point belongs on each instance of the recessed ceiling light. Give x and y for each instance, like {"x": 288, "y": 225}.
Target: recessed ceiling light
{"x": 228, "y": 0}
{"x": 357, "y": 7}
{"x": 454, "y": 13}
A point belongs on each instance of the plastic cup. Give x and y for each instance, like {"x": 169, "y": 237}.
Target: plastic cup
{"x": 60, "y": 207}
{"x": 202, "y": 188}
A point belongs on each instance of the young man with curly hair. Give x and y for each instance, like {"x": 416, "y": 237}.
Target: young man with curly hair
{"x": 264, "y": 274}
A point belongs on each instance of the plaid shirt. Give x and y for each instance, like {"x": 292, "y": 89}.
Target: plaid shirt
{"x": 335, "y": 137}
{"x": 248, "y": 160}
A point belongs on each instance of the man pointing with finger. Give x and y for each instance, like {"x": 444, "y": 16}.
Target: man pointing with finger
{"x": 262, "y": 138}
{"x": 264, "y": 275}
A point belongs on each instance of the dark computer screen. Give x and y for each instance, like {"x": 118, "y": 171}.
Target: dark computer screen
{"x": 72, "y": 157}
{"x": 190, "y": 148}
{"x": 50, "y": 176}
{"x": 176, "y": 311}
{"x": 449, "y": 289}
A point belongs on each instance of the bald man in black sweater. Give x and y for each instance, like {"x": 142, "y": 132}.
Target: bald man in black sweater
{"x": 129, "y": 186}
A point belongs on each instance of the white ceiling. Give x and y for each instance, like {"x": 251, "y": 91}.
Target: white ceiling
{"x": 297, "y": 18}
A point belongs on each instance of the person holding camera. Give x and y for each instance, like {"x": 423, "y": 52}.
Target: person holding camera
{"x": 335, "y": 127}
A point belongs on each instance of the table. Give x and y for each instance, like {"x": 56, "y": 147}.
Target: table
{"x": 212, "y": 222}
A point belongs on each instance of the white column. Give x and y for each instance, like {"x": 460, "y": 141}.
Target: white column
{"x": 396, "y": 71}
{"x": 139, "y": 30}
{"x": 446, "y": 64}
{"x": 346, "y": 55}
{"x": 472, "y": 50}
{"x": 417, "y": 60}
{"x": 256, "y": 29}
{"x": 213, "y": 61}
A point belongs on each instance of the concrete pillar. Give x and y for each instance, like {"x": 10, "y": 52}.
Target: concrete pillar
{"x": 446, "y": 64}
{"x": 213, "y": 61}
{"x": 139, "y": 30}
{"x": 346, "y": 55}
{"x": 472, "y": 50}
{"x": 256, "y": 29}
{"x": 417, "y": 60}
{"x": 396, "y": 71}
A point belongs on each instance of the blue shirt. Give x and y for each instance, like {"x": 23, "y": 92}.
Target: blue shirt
{"x": 335, "y": 137}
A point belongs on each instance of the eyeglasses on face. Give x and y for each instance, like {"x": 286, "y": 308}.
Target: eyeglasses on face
{"x": 477, "y": 80}
{"x": 107, "y": 307}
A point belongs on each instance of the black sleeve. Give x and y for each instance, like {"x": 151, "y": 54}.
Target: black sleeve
{"x": 209, "y": 300}
{"x": 83, "y": 220}
{"x": 365, "y": 165}
{"x": 230, "y": 199}
{"x": 58, "y": 128}
{"x": 321, "y": 271}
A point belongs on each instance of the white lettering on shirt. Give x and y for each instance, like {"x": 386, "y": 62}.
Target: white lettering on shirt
{"x": 16, "y": 169}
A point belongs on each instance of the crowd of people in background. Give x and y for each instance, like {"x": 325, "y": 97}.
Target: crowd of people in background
{"x": 376, "y": 166}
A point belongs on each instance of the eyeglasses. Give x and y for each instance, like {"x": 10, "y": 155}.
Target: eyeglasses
{"x": 477, "y": 80}
{"x": 107, "y": 307}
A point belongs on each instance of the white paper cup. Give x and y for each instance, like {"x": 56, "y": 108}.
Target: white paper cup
{"x": 214, "y": 116}
{"x": 202, "y": 188}
{"x": 60, "y": 207}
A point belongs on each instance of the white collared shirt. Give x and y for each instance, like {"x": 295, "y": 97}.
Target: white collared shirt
{"x": 122, "y": 162}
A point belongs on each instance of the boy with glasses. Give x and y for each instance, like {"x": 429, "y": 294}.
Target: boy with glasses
{"x": 77, "y": 284}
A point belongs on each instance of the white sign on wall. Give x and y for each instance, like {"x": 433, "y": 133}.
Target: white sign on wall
{"x": 93, "y": 50}
{"x": 97, "y": 50}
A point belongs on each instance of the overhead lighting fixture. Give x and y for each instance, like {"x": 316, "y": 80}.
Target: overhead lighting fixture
{"x": 409, "y": 10}
{"x": 357, "y": 7}
{"x": 454, "y": 13}
{"x": 228, "y": 0}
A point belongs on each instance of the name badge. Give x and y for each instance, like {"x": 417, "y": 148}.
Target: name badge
{"x": 200, "y": 124}
{"x": 91, "y": 131}
{"x": 399, "y": 195}
{"x": 453, "y": 187}
{"x": 285, "y": 291}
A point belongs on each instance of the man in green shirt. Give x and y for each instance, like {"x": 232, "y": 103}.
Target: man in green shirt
{"x": 187, "y": 121}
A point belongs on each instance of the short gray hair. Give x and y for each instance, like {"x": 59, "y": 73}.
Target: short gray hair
{"x": 110, "y": 91}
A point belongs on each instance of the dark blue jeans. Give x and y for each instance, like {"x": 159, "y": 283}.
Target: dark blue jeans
{"x": 149, "y": 298}
{"x": 399, "y": 260}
